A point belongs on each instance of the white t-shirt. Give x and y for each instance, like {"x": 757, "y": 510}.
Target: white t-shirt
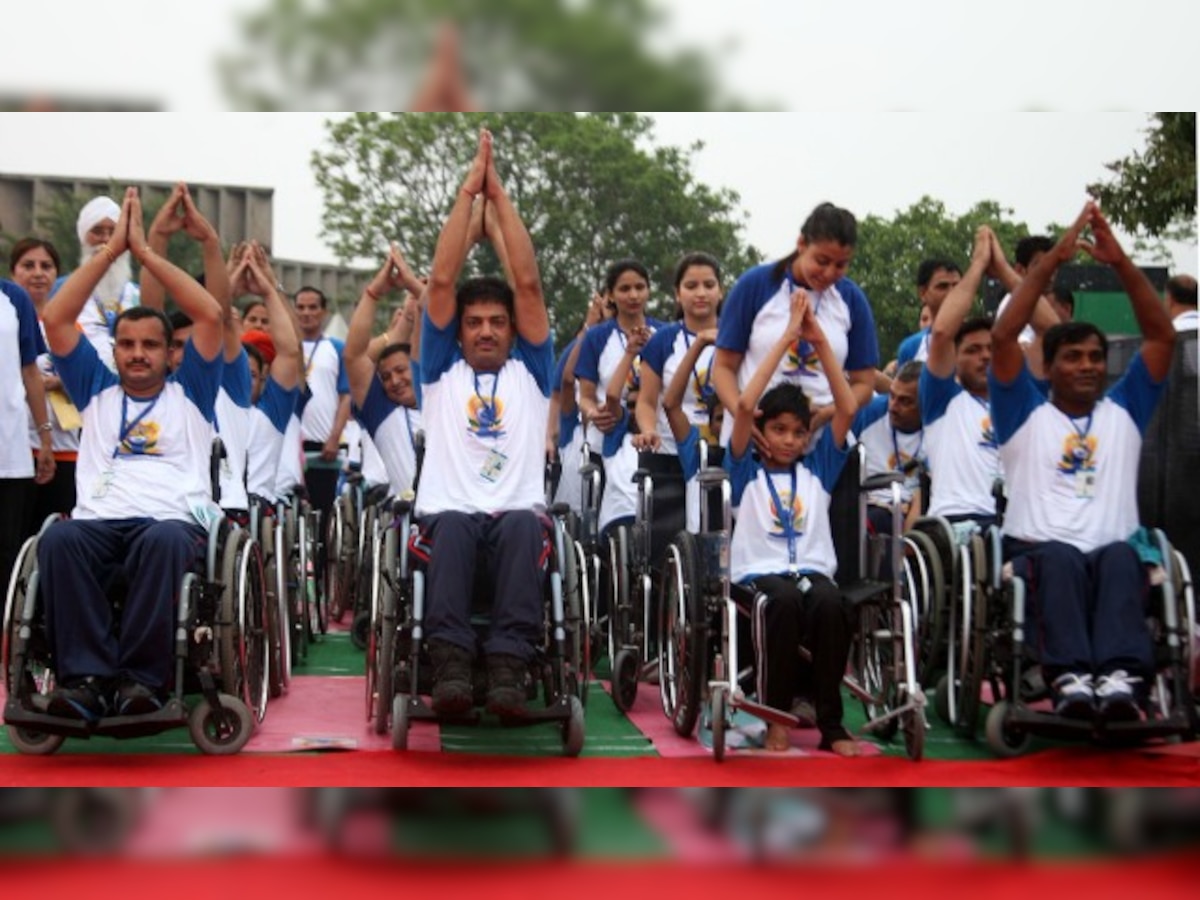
{"x": 325, "y": 374}
{"x": 485, "y": 431}
{"x": 290, "y": 471}
{"x": 960, "y": 444}
{"x": 663, "y": 353}
{"x": 1027, "y": 335}
{"x": 143, "y": 458}
{"x": 1187, "y": 321}
{"x": 1073, "y": 480}
{"x": 61, "y": 441}
{"x": 393, "y": 431}
{"x": 233, "y": 426}
{"x": 889, "y": 449}
{"x": 269, "y": 420}
{"x": 20, "y": 340}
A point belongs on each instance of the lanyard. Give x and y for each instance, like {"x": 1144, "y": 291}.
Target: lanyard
{"x": 308, "y": 360}
{"x": 703, "y": 391}
{"x": 408, "y": 422}
{"x": 127, "y": 426}
{"x": 916, "y": 455}
{"x": 1081, "y": 449}
{"x": 489, "y": 405}
{"x": 786, "y": 521}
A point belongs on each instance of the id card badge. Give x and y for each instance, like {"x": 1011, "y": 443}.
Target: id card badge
{"x": 1085, "y": 484}
{"x": 493, "y": 465}
{"x": 102, "y": 484}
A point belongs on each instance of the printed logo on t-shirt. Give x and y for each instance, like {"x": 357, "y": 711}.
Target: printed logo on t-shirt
{"x": 142, "y": 440}
{"x": 987, "y": 434}
{"x": 485, "y": 418}
{"x": 633, "y": 381}
{"x": 799, "y": 517}
{"x": 802, "y": 361}
{"x": 1079, "y": 454}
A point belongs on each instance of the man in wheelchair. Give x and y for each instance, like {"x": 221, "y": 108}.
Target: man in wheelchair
{"x": 142, "y": 484}
{"x": 1071, "y": 465}
{"x": 486, "y": 362}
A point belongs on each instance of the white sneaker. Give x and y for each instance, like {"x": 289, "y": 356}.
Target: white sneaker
{"x": 1073, "y": 696}
{"x": 1115, "y": 697}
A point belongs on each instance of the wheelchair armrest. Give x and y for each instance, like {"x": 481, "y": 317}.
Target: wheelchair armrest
{"x": 882, "y": 480}
{"x": 560, "y": 510}
{"x": 712, "y": 476}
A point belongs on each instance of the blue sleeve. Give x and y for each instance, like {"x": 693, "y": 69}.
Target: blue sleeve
{"x": 749, "y": 295}
{"x": 827, "y": 460}
{"x": 689, "y": 454}
{"x": 742, "y": 471}
{"x": 343, "y": 380}
{"x": 235, "y": 378}
{"x": 200, "y": 379}
{"x": 416, "y": 380}
{"x": 615, "y": 438}
{"x": 567, "y": 423}
{"x": 870, "y": 414}
{"x": 83, "y": 375}
{"x": 439, "y": 349}
{"x": 29, "y": 336}
{"x": 1012, "y": 404}
{"x": 277, "y": 404}
{"x": 1137, "y": 393}
{"x": 588, "y": 364}
{"x": 538, "y": 359}
{"x": 863, "y": 344}
{"x": 376, "y": 407}
{"x": 935, "y": 394}
{"x": 907, "y": 351}
{"x": 658, "y": 349}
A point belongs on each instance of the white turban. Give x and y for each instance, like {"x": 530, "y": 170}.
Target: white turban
{"x": 96, "y": 211}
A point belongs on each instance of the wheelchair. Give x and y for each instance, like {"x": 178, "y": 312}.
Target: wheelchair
{"x": 635, "y": 557}
{"x": 299, "y": 524}
{"x": 344, "y": 541}
{"x": 220, "y": 651}
{"x": 398, "y": 669}
{"x": 1003, "y": 660}
{"x": 267, "y": 530}
{"x": 701, "y": 617}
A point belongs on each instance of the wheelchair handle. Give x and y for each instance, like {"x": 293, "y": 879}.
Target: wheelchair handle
{"x": 882, "y": 480}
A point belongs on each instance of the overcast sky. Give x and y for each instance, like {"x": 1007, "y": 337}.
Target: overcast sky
{"x": 782, "y": 164}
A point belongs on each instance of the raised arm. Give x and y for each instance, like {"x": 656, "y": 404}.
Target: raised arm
{"x": 360, "y": 367}
{"x": 166, "y": 224}
{"x": 216, "y": 275}
{"x": 451, "y": 251}
{"x": 533, "y": 322}
{"x": 1007, "y": 357}
{"x": 1158, "y": 332}
{"x": 196, "y": 302}
{"x": 672, "y": 400}
{"x": 256, "y": 275}
{"x": 845, "y": 397}
{"x": 957, "y": 306}
{"x": 747, "y": 402}
{"x": 60, "y": 313}
{"x": 616, "y": 382}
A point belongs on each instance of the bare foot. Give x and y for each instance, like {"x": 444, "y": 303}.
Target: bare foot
{"x": 846, "y": 747}
{"x": 777, "y": 738}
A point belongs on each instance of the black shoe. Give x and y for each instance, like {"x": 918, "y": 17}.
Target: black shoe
{"x": 84, "y": 699}
{"x": 507, "y": 678}
{"x": 133, "y": 699}
{"x": 451, "y": 679}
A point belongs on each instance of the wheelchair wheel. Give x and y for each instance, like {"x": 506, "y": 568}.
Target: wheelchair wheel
{"x": 385, "y": 635}
{"x": 974, "y": 661}
{"x": 34, "y": 743}
{"x": 360, "y": 628}
{"x": 1003, "y": 737}
{"x": 573, "y": 611}
{"x": 295, "y": 541}
{"x": 318, "y": 610}
{"x": 625, "y": 679}
{"x": 573, "y": 729}
{"x": 242, "y": 643}
{"x": 221, "y": 732}
{"x": 276, "y": 681}
{"x": 282, "y": 607}
{"x": 877, "y": 658}
{"x": 682, "y": 635}
{"x": 400, "y": 722}
{"x": 929, "y": 602}
{"x": 618, "y": 599}
{"x": 941, "y": 700}
{"x": 913, "y": 726}
{"x": 21, "y": 583}
{"x": 333, "y": 582}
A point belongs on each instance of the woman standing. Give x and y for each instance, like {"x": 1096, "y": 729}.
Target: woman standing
{"x": 757, "y": 312}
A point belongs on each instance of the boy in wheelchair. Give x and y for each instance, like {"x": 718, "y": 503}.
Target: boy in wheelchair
{"x": 1071, "y": 463}
{"x": 142, "y": 486}
{"x": 790, "y": 556}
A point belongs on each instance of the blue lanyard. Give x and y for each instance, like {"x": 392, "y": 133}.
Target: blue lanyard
{"x": 127, "y": 426}
{"x": 490, "y": 404}
{"x": 1081, "y": 449}
{"x": 787, "y": 521}
{"x": 308, "y": 360}
{"x": 896, "y": 447}
{"x": 704, "y": 390}
{"x": 408, "y": 422}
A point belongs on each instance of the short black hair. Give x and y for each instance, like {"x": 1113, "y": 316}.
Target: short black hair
{"x": 972, "y": 325}
{"x": 309, "y": 289}
{"x": 929, "y": 267}
{"x": 255, "y": 354}
{"x": 180, "y": 320}
{"x": 910, "y": 372}
{"x": 392, "y": 348}
{"x": 784, "y": 398}
{"x": 1182, "y": 289}
{"x": 1029, "y": 247}
{"x": 487, "y": 289}
{"x": 619, "y": 268}
{"x": 137, "y": 313}
{"x": 1066, "y": 333}
{"x": 1064, "y": 296}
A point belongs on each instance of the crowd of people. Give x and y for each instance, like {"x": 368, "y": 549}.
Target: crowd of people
{"x": 777, "y": 380}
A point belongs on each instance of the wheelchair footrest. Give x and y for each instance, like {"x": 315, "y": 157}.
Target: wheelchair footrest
{"x": 863, "y": 591}
{"x": 766, "y": 713}
{"x": 420, "y": 711}
{"x": 173, "y": 715}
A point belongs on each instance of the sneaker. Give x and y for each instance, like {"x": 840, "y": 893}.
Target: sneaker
{"x": 83, "y": 699}
{"x": 1116, "y": 698}
{"x": 507, "y": 677}
{"x": 1073, "y": 696}
{"x": 451, "y": 679}
{"x": 133, "y": 699}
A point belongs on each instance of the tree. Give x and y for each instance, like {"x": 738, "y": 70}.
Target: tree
{"x": 1154, "y": 190}
{"x": 890, "y": 250}
{"x": 520, "y": 54}
{"x": 589, "y": 187}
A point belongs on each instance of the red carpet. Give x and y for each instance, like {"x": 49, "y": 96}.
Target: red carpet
{"x": 1073, "y": 766}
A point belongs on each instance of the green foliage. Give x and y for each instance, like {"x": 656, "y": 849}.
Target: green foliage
{"x": 518, "y": 54}
{"x": 585, "y": 185}
{"x": 890, "y": 250}
{"x": 1154, "y": 191}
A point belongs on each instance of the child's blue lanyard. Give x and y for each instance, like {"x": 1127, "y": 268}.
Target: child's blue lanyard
{"x": 786, "y": 520}
{"x": 127, "y": 426}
